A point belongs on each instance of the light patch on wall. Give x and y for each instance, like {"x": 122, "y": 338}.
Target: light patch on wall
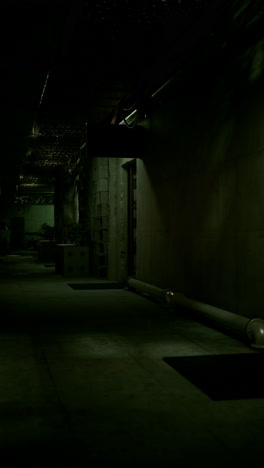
{"x": 221, "y": 144}
{"x": 257, "y": 65}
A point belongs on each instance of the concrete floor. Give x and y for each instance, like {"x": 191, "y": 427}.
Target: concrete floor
{"x": 83, "y": 384}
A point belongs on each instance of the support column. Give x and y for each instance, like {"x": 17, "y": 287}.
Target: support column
{"x": 66, "y": 205}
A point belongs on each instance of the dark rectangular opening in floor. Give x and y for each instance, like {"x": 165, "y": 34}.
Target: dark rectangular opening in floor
{"x": 223, "y": 377}
{"x": 83, "y": 286}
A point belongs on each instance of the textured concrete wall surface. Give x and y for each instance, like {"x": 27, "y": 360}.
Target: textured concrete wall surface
{"x": 98, "y": 214}
{"x": 201, "y": 193}
{"x": 118, "y": 218}
{"x": 34, "y": 216}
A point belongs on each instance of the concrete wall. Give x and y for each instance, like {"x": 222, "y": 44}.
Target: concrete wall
{"x": 71, "y": 202}
{"x": 66, "y": 201}
{"x": 98, "y": 214}
{"x": 118, "y": 219}
{"x": 200, "y": 212}
{"x": 200, "y": 191}
{"x": 34, "y": 216}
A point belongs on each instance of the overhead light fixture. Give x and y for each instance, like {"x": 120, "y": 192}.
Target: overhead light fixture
{"x": 154, "y": 95}
{"x": 125, "y": 121}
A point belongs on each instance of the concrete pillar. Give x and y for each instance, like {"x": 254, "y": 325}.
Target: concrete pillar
{"x": 66, "y": 206}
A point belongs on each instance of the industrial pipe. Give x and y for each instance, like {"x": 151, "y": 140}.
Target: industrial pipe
{"x": 252, "y": 330}
{"x": 146, "y": 288}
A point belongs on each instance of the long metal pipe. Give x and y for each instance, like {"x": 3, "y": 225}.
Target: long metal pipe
{"x": 252, "y": 330}
{"x": 146, "y": 288}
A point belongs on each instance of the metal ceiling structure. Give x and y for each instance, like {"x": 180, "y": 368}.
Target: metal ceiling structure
{"x": 68, "y": 66}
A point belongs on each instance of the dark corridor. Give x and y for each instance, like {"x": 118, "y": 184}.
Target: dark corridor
{"x": 83, "y": 382}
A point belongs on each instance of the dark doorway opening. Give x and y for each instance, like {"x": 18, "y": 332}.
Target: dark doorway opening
{"x": 17, "y": 238}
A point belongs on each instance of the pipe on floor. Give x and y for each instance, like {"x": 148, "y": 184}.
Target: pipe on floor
{"x": 252, "y": 330}
{"x": 146, "y": 288}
